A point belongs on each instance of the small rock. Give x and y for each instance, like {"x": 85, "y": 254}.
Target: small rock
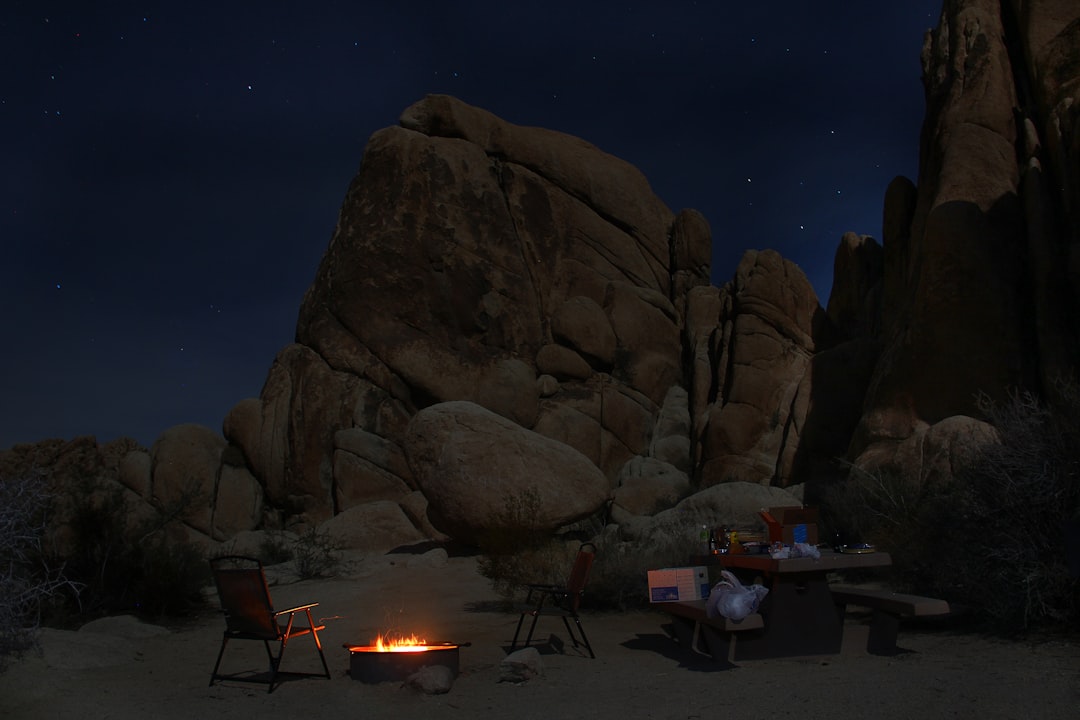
{"x": 431, "y": 680}
{"x": 521, "y": 666}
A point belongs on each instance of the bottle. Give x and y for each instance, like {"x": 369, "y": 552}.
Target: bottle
{"x": 704, "y": 538}
{"x": 736, "y": 546}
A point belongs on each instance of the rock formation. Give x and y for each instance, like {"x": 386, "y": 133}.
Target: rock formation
{"x": 508, "y": 312}
{"x": 527, "y": 273}
{"x": 981, "y": 269}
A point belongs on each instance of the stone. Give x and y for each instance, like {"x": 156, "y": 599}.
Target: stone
{"x": 547, "y": 385}
{"x": 734, "y": 504}
{"x": 583, "y": 326}
{"x": 521, "y": 666}
{"x": 374, "y": 527}
{"x": 415, "y": 507}
{"x": 357, "y": 481}
{"x": 766, "y": 350}
{"x": 479, "y": 471}
{"x": 562, "y": 362}
{"x": 185, "y": 464}
{"x": 431, "y": 680}
{"x": 854, "y": 302}
{"x": 134, "y": 472}
{"x": 647, "y": 485}
{"x": 238, "y": 503}
{"x": 647, "y": 329}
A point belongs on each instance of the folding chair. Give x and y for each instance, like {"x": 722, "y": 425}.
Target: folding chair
{"x": 250, "y": 615}
{"x": 561, "y": 601}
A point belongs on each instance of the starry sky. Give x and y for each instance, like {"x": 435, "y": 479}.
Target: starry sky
{"x": 172, "y": 171}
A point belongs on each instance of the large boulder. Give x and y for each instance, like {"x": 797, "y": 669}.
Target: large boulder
{"x": 517, "y": 268}
{"x": 734, "y": 504}
{"x": 185, "y": 464}
{"x": 480, "y": 472}
{"x": 769, "y": 319}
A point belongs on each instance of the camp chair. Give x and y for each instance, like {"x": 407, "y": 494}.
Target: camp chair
{"x": 250, "y": 615}
{"x": 562, "y": 601}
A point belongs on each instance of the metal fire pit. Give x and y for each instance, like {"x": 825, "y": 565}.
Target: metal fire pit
{"x": 371, "y": 665}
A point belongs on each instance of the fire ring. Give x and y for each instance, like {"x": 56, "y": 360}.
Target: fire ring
{"x": 372, "y": 664}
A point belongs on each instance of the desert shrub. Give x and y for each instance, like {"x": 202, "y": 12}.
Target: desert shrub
{"x": 516, "y": 553}
{"x": 914, "y": 519}
{"x": 1022, "y": 493}
{"x": 275, "y": 548}
{"x": 992, "y": 539}
{"x": 124, "y": 564}
{"x": 27, "y": 581}
{"x": 619, "y": 578}
{"x": 314, "y": 553}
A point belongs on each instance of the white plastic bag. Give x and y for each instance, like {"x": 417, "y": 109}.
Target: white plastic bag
{"x": 731, "y": 599}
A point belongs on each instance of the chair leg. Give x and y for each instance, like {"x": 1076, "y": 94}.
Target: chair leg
{"x": 585, "y": 640}
{"x": 217, "y": 665}
{"x": 569, "y": 631}
{"x": 275, "y": 662}
{"x": 513, "y": 643}
{"x": 318, "y": 643}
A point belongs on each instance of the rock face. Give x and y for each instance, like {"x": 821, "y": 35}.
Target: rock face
{"x": 508, "y": 312}
{"x": 981, "y": 263}
{"x": 527, "y": 273}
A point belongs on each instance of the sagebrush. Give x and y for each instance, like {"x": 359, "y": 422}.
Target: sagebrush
{"x": 992, "y": 538}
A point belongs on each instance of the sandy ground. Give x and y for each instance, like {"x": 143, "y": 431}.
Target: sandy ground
{"x": 128, "y": 670}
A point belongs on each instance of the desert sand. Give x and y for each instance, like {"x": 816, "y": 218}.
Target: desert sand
{"x": 124, "y": 669}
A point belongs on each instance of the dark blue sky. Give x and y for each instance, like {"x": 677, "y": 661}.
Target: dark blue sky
{"x": 173, "y": 171}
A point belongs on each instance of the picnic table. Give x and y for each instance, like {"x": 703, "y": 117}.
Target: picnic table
{"x": 800, "y": 613}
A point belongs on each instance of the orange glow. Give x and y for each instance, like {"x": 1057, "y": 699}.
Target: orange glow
{"x": 400, "y": 644}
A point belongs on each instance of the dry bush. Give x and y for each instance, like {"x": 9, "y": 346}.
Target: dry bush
{"x": 315, "y": 554}
{"x": 124, "y": 564}
{"x": 516, "y": 553}
{"x": 27, "y": 581}
{"x": 620, "y": 575}
{"x": 1022, "y": 493}
{"x": 992, "y": 541}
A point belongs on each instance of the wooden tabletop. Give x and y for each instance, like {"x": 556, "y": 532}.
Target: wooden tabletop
{"x": 828, "y": 561}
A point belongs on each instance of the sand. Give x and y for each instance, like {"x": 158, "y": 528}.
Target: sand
{"x": 121, "y": 668}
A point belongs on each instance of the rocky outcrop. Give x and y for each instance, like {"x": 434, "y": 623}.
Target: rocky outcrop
{"x": 768, "y": 320}
{"x": 980, "y": 267}
{"x": 507, "y": 312}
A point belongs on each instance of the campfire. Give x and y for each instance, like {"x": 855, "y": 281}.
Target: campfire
{"x": 391, "y": 659}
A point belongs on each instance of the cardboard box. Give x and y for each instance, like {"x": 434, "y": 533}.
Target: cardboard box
{"x": 792, "y": 525}
{"x": 679, "y": 584}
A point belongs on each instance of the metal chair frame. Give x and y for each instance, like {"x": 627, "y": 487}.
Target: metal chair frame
{"x": 560, "y": 600}
{"x": 250, "y": 615}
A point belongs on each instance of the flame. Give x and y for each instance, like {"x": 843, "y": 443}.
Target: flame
{"x": 400, "y": 644}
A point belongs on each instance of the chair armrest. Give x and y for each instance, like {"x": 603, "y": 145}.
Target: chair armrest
{"x": 298, "y": 608}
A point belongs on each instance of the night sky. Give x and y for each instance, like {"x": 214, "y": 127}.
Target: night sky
{"x": 172, "y": 171}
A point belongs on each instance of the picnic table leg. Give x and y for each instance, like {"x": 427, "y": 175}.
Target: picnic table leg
{"x": 800, "y": 619}
{"x": 884, "y": 628}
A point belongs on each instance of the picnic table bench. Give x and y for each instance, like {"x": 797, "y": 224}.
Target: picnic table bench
{"x": 697, "y": 632}
{"x": 887, "y": 609}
